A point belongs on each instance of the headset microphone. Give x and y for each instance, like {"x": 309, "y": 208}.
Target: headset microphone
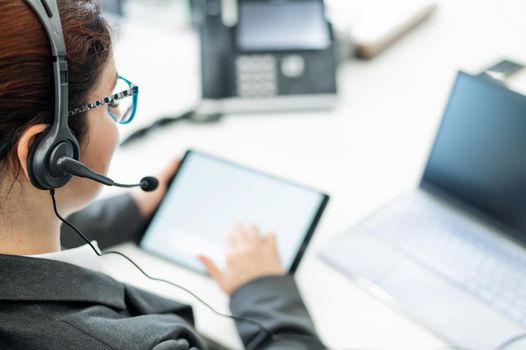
{"x": 149, "y": 183}
{"x": 75, "y": 168}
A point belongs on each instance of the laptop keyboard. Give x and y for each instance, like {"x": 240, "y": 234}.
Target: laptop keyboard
{"x": 461, "y": 251}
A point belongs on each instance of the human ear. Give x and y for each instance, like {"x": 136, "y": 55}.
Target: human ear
{"x": 24, "y": 144}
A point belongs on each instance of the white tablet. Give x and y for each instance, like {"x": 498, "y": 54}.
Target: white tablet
{"x": 208, "y": 196}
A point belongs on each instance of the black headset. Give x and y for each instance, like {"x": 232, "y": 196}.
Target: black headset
{"x": 58, "y": 141}
{"x": 54, "y": 155}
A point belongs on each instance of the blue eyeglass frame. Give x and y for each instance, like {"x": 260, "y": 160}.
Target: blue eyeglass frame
{"x": 132, "y": 92}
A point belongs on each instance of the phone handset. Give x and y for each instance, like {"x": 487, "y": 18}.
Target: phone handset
{"x": 216, "y": 46}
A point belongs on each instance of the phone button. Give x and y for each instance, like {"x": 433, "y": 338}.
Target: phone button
{"x": 292, "y": 66}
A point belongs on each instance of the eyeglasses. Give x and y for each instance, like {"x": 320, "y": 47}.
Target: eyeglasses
{"x": 121, "y": 108}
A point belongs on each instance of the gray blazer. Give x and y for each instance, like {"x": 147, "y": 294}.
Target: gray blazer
{"x": 47, "y": 304}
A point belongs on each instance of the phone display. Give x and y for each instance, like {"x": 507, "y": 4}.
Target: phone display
{"x": 282, "y": 25}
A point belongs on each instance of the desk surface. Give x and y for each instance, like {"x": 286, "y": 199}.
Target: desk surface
{"x": 372, "y": 147}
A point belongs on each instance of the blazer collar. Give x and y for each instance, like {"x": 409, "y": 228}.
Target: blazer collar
{"x": 35, "y": 279}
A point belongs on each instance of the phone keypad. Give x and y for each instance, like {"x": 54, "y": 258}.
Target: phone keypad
{"x": 256, "y": 76}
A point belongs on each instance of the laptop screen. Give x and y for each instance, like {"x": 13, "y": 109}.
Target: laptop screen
{"x": 479, "y": 155}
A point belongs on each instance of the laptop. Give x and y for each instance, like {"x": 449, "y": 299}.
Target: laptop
{"x": 452, "y": 252}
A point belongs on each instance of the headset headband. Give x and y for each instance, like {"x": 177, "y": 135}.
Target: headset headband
{"x": 47, "y": 12}
{"x": 58, "y": 140}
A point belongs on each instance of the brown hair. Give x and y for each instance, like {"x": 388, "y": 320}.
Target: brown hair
{"x": 26, "y": 81}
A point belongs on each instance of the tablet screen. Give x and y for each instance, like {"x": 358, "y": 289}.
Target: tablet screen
{"x": 208, "y": 196}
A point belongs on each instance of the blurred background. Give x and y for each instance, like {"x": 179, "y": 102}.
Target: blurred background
{"x": 343, "y": 95}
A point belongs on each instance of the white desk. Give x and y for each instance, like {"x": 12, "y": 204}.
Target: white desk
{"x": 372, "y": 147}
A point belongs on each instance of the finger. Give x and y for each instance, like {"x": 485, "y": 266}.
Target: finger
{"x": 250, "y": 237}
{"x": 233, "y": 236}
{"x": 270, "y": 239}
{"x": 212, "y": 269}
{"x": 271, "y": 246}
{"x": 252, "y": 233}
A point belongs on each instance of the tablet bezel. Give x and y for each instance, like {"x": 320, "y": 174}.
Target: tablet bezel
{"x": 307, "y": 236}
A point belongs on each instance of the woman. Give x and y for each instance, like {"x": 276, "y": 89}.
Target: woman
{"x": 58, "y": 299}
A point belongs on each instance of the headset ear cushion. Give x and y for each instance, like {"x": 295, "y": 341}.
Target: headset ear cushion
{"x": 31, "y": 167}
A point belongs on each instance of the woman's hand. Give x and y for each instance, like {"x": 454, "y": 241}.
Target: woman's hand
{"x": 149, "y": 201}
{"x": 249, "y": 256}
